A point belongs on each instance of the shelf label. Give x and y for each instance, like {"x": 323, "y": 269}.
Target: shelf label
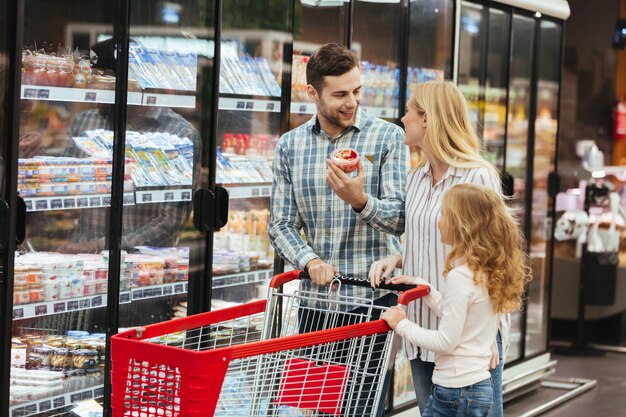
{"x": 43, "y": 94}
{"x": 59, "y": 307}
{"x": 41, "y": 310}
{"x": 72, "y": 305}
{"x": 18, "y": 313}
{"x": 125, "y": 298}
{"x": 45, "y": 405}
{"x": 90, "y": 96}
{"x": 30, "y": 93}
{"x": 58, "y": 402}
{"x": 151, "y": 100}
{"x": 179, "y": 288}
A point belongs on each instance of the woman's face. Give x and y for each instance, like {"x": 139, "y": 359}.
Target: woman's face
{"x": 414, "y": 122}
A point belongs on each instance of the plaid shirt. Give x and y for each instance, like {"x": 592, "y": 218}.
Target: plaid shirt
{"x": 333, "y": 231}
{"x": 142, "y": 224}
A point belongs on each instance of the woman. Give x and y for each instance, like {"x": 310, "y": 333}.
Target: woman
{"x": 437, "y": 124}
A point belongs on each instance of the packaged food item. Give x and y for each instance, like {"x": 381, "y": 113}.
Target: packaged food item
{"x": 21, "y": 294}
{"x": 85, "y": 358}
{"x": 61, "y": 359}
{"x": 345, "y": 158}
{"x": 40, "y": 357}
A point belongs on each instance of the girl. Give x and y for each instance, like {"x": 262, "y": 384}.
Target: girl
{"x": 485, "y": 275}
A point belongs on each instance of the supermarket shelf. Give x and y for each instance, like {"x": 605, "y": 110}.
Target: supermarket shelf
{"x": 55, "y": 402}
{"x": 222, "y": 281}
{"x": 168, "y": 100}
{"x": 302, "y": 107}
{"x": 104, "y": 200}
{"x": 155, "y": 291}
{"x": 249, "y": 104}
{"x": 86, "y": 95}
{"x": 73, "y": 202}
{"x": 26, "y": 311}
{"x": 248, "y": 191}
{"x": 383, "y": 112}
{"x": 162, "y": 196}
{"x": 81, "y": 95}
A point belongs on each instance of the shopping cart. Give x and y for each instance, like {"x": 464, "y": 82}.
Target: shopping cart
{"x": 230, "y": 362}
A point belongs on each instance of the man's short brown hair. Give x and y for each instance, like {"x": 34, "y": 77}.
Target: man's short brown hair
{"x": 332, "y": 59}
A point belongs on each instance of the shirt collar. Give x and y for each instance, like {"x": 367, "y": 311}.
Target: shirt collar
{"x": 359, "y": 123}
{"x": 452, "y": 171}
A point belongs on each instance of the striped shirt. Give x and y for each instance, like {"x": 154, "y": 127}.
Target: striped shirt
{"x": 424, "y": 254}
{"x": 302, "y": 200}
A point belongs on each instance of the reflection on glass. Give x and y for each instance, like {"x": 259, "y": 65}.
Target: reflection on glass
{"x": 315, "y": 25}
{"x": 376, "y": 36}
{"x": 517, "y": 140}
{"x": 494, "y": 119}
{"x": 543, "y": 163}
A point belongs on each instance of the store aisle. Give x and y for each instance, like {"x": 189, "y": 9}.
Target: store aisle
{"x": 607, "y": 399}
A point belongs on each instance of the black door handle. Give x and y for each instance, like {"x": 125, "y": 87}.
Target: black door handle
{"x": 507, "y": 182}
{"x": 4, "y": 225}
{"x": 20, "y": 229}
{"x": 210, "y": 210}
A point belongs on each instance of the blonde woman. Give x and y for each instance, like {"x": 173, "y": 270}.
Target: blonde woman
{"x": 437, "y": 124}
{"x": 485, "y": 271}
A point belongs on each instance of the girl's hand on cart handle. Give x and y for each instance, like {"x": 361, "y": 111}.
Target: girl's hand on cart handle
{"x": 393, "y": 316}
{"x": 320, "y": 272}
{"x": 382, "y": 270}
{"x": 406, "y": 279}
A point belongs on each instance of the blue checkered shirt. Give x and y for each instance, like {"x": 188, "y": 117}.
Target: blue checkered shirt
{"x": 308, "y": 220}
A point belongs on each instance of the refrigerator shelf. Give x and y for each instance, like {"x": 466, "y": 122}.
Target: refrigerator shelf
{"x": 57, "y": 401}
{"x": 47, "y": 308}
{"x": 248, "y": 191}
{"x": 271, "y": 105}
{"x": 87, "y": 95}
{"x": 303, "y": 107}
{"x": 104, "y": 200}
{"x": 241, "y": 278}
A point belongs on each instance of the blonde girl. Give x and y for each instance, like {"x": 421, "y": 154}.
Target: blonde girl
{"x": 486, "y": 272}
{"x": 437, "y": 125}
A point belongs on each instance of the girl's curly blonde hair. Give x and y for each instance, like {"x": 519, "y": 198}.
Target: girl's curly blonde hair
{"x": 486, "y": 235}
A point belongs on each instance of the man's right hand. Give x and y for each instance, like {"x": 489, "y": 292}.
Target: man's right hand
{"x": 381, "y": 270}
{"x": 320, "y": 272}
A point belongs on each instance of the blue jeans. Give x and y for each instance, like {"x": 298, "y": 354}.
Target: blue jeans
{"x": 471, "y": 401}
{"x": 423, "y": 377}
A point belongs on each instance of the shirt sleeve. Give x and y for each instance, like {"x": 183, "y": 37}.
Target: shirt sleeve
{"x": 386, "y": 211}
{"x": 285, "y": 220}
{"x": 455, "y": 303}
{"x": 488, "y": 178}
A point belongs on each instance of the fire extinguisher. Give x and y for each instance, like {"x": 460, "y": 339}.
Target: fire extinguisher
{"x": 619, "y": 127}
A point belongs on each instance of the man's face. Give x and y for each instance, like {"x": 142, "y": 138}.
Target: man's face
{"x": 337, "y": 101}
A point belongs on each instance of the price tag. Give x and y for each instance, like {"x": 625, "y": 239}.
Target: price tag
{"x": 152, "y": 100}
{"x": 41, "y": 310}
{"x": 90, "y": 96}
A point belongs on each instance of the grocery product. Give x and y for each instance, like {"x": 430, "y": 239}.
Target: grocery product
{"x": 345, "y": 158}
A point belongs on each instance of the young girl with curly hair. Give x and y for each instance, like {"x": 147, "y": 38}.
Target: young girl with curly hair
{"x": 486, "y": 271}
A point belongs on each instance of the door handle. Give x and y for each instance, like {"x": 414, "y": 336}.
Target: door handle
{"x": 4, "y": 225}
{"x": 507, "y": 182}
{"x": 210, "y": 209}
{"x": 20, "y": 229}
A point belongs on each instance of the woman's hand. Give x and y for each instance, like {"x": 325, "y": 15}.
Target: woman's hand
{"x": 393, "y": 316}
{"x": 495, "y": 356}
{"x": 381, "y": 270}
{"x": 402, "y": 279}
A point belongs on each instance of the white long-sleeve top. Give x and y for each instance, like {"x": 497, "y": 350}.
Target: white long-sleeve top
{"x": 467, "y": 330}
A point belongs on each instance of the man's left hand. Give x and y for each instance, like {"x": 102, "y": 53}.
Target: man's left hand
{"x": 349, "y": 189}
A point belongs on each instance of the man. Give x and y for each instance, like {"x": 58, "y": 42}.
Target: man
{"x": 348, "y": 222}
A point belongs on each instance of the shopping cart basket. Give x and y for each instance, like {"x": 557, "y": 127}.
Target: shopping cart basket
{"x": 224, "y": 363}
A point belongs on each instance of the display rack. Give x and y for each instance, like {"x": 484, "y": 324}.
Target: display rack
{"x": 249, "y": 191}
{"x": 56, "y": 402}
{"x": 271, "y": 104}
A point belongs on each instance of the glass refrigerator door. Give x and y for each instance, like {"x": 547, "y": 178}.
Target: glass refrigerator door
{"x": 429, "y": 58}
{"x": 170, "y": 52}
{"x": 472, "y": 53}
{"x": 517, "y": 140}
{"x": 64, "y": 175}
{"x": 543, "y": 163}
{"x": 314, "y": 25}
{"x": 249, "y": 119}
{"x": 376, "y": 40}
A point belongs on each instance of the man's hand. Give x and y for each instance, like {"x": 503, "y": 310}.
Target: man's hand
{"x": 393, "y": 316}
{"x": 321, "y": 273}
{"x": 80, "y": 247}
{"x": 349, "y": 189}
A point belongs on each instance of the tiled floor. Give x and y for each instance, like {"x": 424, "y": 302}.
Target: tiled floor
{"x": 607, "y": 399}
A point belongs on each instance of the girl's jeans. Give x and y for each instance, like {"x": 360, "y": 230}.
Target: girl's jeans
{"x": 471, "y": 401}
{"x": 423, "y": 374}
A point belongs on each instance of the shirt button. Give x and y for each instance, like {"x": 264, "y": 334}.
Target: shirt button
{"x": 327, "y": 208}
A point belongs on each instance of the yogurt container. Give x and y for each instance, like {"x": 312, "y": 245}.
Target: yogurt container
{"x": 345, "y": 158}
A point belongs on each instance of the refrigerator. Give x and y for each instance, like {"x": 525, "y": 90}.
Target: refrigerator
{"x": 136, "y": 148}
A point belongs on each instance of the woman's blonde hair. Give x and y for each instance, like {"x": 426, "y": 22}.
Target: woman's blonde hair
{"x": 450, "y": 136}
{"x": 487, "y": 236}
